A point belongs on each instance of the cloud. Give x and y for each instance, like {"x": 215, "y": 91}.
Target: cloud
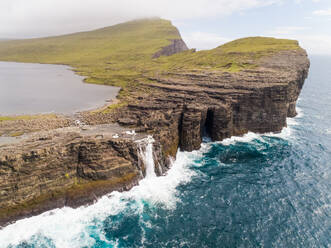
{"x": 203, "y": 40}
{"x": 322, "y": 12}
{"x": 314, "y": 44}
{"x": 300, "y": 1}
{"x": 22, "y": 18}
{"x": 288, "y": 30}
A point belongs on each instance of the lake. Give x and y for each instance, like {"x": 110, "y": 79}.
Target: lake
{"x": 42, "y": 88}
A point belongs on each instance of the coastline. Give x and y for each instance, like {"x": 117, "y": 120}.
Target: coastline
{"x": 233, "y": 92}
{"x": 86, "y": 157}
{"x": 175, "y": 173}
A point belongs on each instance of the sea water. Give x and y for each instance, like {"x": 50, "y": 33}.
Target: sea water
{"x": 271, "y": 190}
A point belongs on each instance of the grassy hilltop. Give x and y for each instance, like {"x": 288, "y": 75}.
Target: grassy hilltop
{"x": 121, "y": 55}
{"x": 111, "y": 55}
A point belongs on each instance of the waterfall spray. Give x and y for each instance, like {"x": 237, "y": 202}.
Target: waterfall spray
{"x": 146, "y": 154}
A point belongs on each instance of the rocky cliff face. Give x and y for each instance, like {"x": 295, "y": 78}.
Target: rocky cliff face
{"x": 74, "y": 166}
{"x": 176, "y": 46}
{"x": 186, "y": 106}
{"x": 68, "y": 167}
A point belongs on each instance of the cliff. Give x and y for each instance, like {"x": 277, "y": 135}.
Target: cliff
{"x": 250, "y": 84}
{"x": 69, "y": 167}
{"x": 176, "y": 46}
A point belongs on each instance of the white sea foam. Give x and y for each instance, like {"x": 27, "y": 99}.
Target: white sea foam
{"x": 68, "y": 227}
{"x": 300, "y": 112}
{"x": 246, "y": 138}
{"x": 286, "y": 133}
{"x": 291, "y": 121}
{"x": 146, "y": 153}
{"x": 250, "y": 136}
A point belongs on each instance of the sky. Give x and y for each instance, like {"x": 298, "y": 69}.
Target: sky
{"x": 204, "y": 24}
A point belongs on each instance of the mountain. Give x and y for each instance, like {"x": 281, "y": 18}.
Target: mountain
{"x": 111, "y": 55}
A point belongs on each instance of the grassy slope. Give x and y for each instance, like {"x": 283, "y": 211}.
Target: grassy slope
{"x": 232, "y": 57}
{"x": 121, "y": 55}
{"x": 112, "y": 55}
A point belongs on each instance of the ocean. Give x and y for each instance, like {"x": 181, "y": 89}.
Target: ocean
{"x": 271, "y": 190}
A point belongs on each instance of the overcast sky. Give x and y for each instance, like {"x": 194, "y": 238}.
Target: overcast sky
{"x": 203, "y": 23}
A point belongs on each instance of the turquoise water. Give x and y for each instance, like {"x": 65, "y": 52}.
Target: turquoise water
{"x": 254, "y": 191}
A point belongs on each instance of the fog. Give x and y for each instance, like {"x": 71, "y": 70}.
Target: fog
{"x": 39, "y": 18}
{"x": 35, "y": 18}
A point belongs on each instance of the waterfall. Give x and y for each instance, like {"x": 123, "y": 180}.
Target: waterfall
{"x": 146, "y": 154}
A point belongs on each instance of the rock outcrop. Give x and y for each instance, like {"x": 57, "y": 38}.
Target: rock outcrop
{"x": 186, "y": 106}
{"x": 68, "y": 167}
{"x": 176, "y": 46}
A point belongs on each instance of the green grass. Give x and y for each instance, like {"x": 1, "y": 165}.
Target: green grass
{"x": 258, "y": 44}
{"x": 231, "y": 57}
{"x": 121, "y": 55}
{"x": 114, "y": 55}
{"x": 26, "y": 117}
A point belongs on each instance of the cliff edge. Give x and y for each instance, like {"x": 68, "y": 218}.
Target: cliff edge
{"x": 176, "y": 95}
{"x": 251, "y": 84}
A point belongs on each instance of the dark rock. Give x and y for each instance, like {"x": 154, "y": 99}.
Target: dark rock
{"x": 69, "y": 168}
{"x": 176, "y": 46}
{"x": 186, "y": 105}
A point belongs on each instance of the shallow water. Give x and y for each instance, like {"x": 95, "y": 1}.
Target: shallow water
{"x": 41, "y": 88}
{"x": 252, "y": 191}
